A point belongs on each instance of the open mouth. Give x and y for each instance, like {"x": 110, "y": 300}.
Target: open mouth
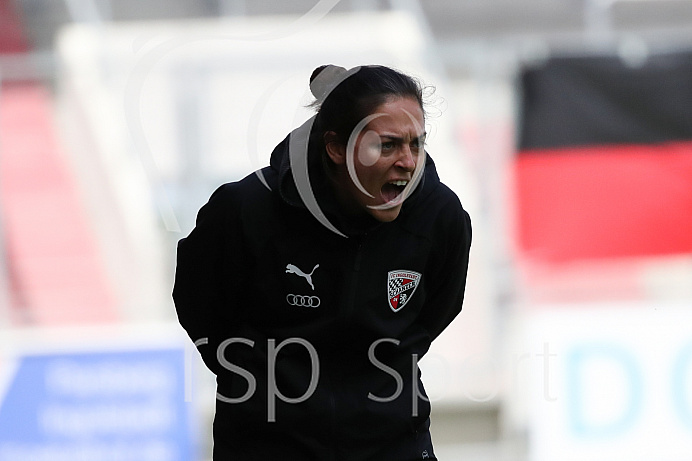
{"x": 392, "y": 190}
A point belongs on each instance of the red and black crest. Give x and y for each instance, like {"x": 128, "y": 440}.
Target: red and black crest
{"x": 401, "y": 285}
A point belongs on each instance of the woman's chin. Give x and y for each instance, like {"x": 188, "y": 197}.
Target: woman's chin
{"x": 387, "y": 214}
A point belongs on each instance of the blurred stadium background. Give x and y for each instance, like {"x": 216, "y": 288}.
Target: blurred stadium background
{"x": 565, "y": 126}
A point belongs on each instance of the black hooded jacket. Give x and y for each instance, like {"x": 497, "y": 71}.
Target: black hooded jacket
{"x": 314, "y": 336}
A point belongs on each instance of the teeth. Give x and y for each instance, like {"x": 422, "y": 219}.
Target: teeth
{"x": 399, "y": 183}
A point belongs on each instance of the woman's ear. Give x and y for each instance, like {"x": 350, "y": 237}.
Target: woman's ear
{"x": 335, "y": 149}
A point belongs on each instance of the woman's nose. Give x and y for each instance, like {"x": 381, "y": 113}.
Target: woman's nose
{"x": 406, "y": 160}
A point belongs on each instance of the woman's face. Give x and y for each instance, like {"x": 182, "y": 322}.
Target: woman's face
{"x": 380, "y": 159}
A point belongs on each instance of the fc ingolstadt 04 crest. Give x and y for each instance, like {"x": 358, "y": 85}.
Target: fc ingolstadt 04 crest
{"x": 401, "y": 285}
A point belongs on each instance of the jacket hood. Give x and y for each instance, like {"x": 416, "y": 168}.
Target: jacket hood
{"x": 295, "y": 163}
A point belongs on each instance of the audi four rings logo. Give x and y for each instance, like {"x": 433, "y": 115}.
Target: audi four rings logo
{"x": 304, "y": 301}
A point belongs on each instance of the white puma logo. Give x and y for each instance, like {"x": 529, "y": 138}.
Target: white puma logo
{"x": 291, "y": 269}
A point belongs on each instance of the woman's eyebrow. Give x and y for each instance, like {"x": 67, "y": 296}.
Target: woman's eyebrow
{"x": 398, "y": 138}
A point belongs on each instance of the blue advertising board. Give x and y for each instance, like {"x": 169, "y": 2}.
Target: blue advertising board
{"x": 97, "y": 406}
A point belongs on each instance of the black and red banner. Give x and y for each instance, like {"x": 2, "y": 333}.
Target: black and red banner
{"x": 604, "y": 164}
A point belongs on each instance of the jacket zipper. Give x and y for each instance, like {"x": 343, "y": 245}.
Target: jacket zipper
{"x": 333, "y": 421}
{"x": 353, "y": 285}
{"x": 347, "y": 314}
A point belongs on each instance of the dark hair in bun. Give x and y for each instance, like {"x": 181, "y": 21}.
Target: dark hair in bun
{"x": 324, "y": 79}
{"x": 345, "y": 97}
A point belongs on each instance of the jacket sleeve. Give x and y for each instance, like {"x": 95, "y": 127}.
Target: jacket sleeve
{"x": 446, "y": 290}
{"x": 200, "y": 291}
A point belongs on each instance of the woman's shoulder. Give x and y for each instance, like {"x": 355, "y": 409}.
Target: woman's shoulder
{"x": 258, "y": 185}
